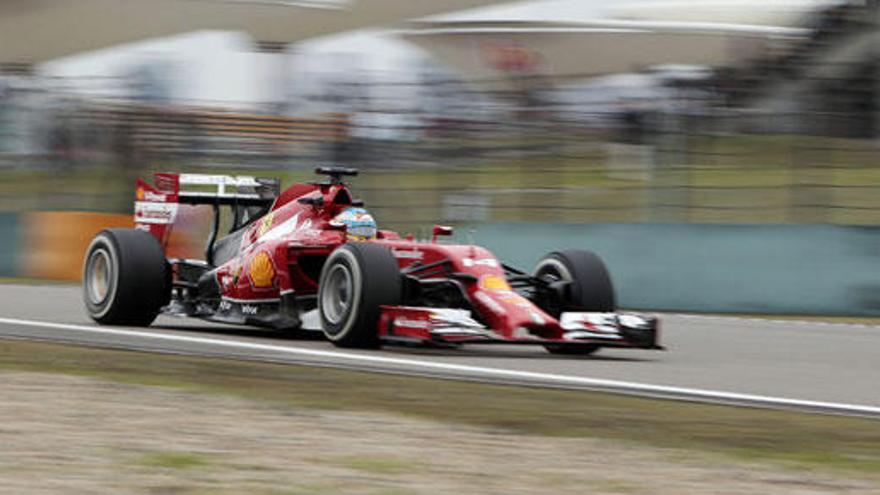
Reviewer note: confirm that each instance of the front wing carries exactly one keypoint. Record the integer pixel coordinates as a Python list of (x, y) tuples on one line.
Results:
[(408, 324)]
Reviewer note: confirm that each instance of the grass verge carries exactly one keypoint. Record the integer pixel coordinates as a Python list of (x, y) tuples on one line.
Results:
[(794, 439), (173, 460)]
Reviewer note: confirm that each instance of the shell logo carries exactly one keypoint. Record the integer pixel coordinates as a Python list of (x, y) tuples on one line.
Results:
[(494, 282), (139, 194), (261, 270)]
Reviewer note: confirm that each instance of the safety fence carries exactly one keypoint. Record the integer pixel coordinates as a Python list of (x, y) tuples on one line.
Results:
[(89, 133)]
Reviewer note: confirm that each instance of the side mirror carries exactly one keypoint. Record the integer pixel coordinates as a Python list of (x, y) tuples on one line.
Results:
[(441, 230), (340, 227), (317, 202)]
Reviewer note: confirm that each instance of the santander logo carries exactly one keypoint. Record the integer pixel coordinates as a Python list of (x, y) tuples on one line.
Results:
[(410, 323)]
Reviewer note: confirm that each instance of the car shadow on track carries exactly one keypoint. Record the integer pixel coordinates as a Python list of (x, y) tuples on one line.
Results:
[(506, 352), (475, 351), (236, 331)]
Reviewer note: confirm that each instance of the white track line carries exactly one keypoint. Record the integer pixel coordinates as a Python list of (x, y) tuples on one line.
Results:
[(479, 371)]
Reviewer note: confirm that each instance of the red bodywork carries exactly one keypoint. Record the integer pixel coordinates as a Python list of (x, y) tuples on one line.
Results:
[(283, 251)]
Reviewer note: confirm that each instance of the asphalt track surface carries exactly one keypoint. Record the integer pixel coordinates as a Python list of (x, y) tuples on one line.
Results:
[(790, 364)]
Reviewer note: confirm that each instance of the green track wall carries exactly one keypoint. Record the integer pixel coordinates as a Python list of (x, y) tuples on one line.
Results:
[(9, 244), (786, 269)]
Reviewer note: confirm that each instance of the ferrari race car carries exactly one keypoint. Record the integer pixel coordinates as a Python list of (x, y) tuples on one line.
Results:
[(313, 253)]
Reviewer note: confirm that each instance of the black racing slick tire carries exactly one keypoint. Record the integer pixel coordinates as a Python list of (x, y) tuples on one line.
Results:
[(126, 278), (590, 288), (356, 280)]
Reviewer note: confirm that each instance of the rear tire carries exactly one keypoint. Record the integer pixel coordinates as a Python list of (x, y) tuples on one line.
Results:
[(356, 280), (590, 289), (126, 278)]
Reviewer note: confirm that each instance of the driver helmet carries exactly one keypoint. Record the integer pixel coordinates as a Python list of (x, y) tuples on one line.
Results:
[(359, 224)]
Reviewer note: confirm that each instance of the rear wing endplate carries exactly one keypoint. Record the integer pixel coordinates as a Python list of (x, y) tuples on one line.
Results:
[(156, 205)]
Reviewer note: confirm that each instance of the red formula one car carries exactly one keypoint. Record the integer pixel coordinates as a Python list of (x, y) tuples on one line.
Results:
[(312, 252)]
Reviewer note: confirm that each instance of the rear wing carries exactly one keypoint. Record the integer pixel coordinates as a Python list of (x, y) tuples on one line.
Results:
[(156, 205)]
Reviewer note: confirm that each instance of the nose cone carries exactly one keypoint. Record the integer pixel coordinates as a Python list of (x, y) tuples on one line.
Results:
[(518, 318)]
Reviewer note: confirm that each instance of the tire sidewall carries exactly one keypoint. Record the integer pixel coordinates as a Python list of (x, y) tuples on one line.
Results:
[(337, 332), (104, 242)]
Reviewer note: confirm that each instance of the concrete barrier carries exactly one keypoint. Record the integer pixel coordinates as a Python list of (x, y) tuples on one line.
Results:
[(783, 269), (9, 244), (54, 243)]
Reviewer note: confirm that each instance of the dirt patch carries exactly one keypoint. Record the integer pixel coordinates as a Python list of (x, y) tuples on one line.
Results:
[(69, 434)]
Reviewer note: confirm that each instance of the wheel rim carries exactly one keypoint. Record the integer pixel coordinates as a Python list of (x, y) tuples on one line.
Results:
[(336, 294), (553, 271), (99, 277), (550, 275)]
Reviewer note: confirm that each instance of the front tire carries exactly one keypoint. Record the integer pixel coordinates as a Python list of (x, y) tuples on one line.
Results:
[(357, 279), (126, 278), (589, 289)]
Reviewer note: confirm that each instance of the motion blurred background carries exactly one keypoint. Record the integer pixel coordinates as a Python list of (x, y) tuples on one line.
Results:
[(721, 155)]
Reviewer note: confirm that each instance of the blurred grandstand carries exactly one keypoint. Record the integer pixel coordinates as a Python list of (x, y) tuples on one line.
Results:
[(774, 124)]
